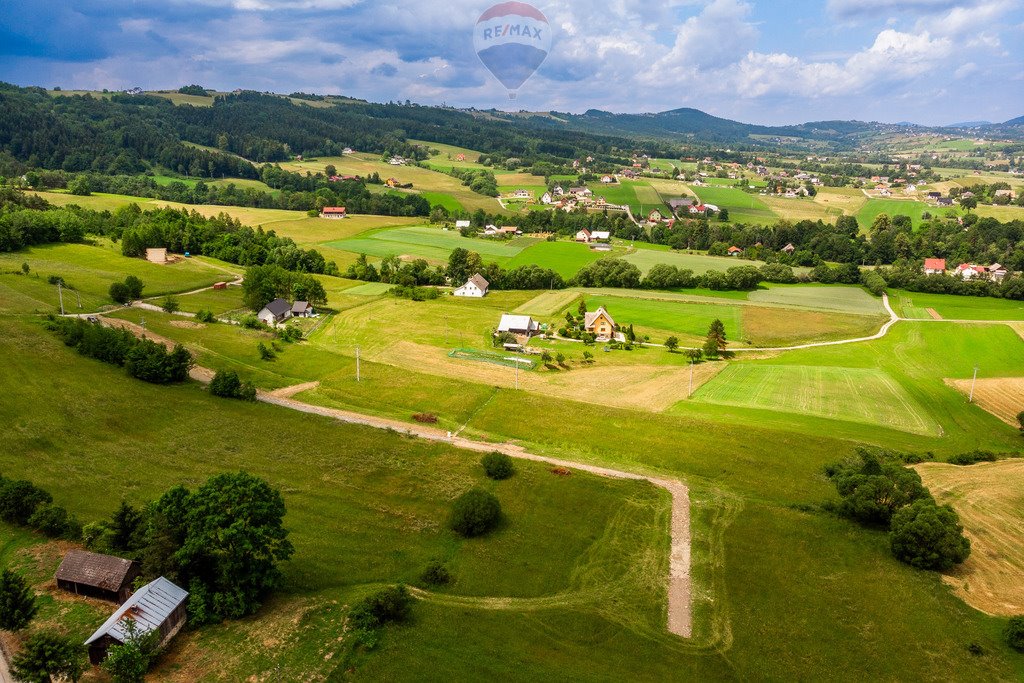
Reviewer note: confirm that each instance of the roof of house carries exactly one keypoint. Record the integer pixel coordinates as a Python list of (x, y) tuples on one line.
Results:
[(333, 209), (300, 306), (590, 317), (92, 569), (478, 280), (677, 203), (461, 224), (935, 264), (516, 322), (278, 307), (734, 250), (789, 247), (150, 606), (584, 230), (600, 234)]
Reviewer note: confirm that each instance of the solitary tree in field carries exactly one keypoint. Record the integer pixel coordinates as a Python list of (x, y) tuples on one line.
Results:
[(672, 344), (330, 170), (716, 341), (17, 602), (968, 203), (1020, 419)]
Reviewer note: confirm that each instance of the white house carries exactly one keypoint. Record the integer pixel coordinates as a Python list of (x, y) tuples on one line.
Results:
[(302, 309), (333, 212), (598, 235), (546, 198), (475, 287), (607, 179), (583, 235), (522, 194), (459, 225), (518, 324), (276, 311)]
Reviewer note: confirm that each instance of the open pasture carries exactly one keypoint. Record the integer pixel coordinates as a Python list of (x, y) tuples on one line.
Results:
[(896, 207), (90, 270), (989, 497), (952, 307), (856, 394), (801, 208), (548, 304), (662, 318), (565, 258), (645, 257), (840, 200), (433, 244), (743, 207), (846, 299)]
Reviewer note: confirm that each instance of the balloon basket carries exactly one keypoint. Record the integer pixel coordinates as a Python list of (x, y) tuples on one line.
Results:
[(511, 94)]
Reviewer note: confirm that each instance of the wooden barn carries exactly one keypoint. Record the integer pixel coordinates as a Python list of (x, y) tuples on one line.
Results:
[(97, 576), (157, 606)]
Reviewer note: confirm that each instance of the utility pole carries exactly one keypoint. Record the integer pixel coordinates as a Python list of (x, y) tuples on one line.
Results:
[(971, 398), (60, 294), (357, 363)]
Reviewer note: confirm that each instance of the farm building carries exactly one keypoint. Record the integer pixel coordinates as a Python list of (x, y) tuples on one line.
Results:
[(600, 235), (935, 266), (158, 606), (735, 251), (654, 216), (583, 235), (599, 323), (789, 248), (475, 287), (518, 324), (302, 309), (606, 179), (156, 255), (459, 225), (698, 208), (945, 201), (274, 312), (220, 285), (333, 212), (97, 576)]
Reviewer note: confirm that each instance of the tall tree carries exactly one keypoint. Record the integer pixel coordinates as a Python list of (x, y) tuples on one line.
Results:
[(47, 655), (17, 601)]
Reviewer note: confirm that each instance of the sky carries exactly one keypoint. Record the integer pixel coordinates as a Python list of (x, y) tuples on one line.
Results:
[(932, 62)]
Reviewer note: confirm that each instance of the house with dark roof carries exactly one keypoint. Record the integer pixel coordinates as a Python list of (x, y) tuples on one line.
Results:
[(302, 309), (475, 287), (97, 576), (276, 311), (158, 606)]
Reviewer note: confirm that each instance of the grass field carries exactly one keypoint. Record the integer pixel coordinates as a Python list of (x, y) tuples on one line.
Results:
[(854, 394), (951, 307), (823, 297), (433, 244), (565, 258), (989, 497), (846, 200), (743, 207), (896, 207), (90, 270), (442, 199), (1001, 396), (662, 318), (645, 257)]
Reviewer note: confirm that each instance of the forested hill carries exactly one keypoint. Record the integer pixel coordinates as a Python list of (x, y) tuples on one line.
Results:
[(124, 133)]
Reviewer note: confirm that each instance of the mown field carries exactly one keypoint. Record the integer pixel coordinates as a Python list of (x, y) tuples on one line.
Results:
[(897, 207), (950, 307), (743, 207), (647, 256), (854, 300), (565, 258), (433, 244), (661, 318)]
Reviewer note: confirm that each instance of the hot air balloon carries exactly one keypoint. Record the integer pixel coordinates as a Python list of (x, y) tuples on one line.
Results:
[(512, 39)]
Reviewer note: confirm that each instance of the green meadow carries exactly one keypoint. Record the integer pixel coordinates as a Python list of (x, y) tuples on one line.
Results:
[(659, 318), (743, 207), (916, 305), (565, 258), (897, 207), (647, 256), (433, 244)]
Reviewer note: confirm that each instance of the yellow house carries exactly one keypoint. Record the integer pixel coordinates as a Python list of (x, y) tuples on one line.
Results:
[(599, 323)]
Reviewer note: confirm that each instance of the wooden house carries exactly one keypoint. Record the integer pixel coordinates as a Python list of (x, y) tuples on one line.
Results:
[(97, 576), (158, 606)]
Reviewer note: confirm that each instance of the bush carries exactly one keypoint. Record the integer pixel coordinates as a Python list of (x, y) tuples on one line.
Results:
[(1014, 633), (474, 513), (435, 574), (120, 293), (265, 352), (502, 338), (874, 486), (928, 536), (19, 500), (251, 322), (170, 304), (151, 362), (17, 601), (391, 604), (55, 522), (1020, 420), (226, 384), (497, 465), (972, 457), (205, 316), (135, 286)]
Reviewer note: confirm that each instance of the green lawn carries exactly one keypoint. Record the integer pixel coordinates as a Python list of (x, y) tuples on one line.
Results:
[(855, 394), (90, 270), (645, 257), (433, 244), (916, 305), (442, 199), (565, 258), (743, 207), (848, 299), (659, 318), (898, 207)]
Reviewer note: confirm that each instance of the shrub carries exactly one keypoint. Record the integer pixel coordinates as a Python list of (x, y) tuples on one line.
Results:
[(502, 338), (497, 465), (55, 280), (474, 513), (55, 522), (391, 604), (972, 457), (435, 574), (1020, 420), (290, 333), (226, 384), (134, 285), (19, 500), (151, 362), (205, 316), (265, 352), (119, 292), (17, 601), (251, 322), (170, 304), (928, 536), (1014, 633), (425, 418)]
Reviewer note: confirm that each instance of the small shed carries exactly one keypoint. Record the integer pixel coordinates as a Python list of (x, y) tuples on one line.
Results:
[(518, 324), (157, 606), (97, 576), (156, 255), (220, 285), (302, 309)]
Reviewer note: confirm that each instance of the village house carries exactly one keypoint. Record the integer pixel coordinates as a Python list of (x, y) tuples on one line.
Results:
[(934, 194), (348, 150), (275, 312), (475, 287), (558, 190), (459, 225), (158, 606), (156, 255), (698, 208), (583, 235), (945, 201), (600, 324), (600, 236), (935, 266), (606, 179), (789, 248), (581, 191), (392, 182), (735, 251), (546, 198), (333, 212), (655, 216), (522, 194), (302, 309), (509, 230), (460, 157), (97, 576), (522, 325)]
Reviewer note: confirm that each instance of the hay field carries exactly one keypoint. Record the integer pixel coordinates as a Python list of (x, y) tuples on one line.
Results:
[(989, 498), (549, 303), (802, 209), (433, 244), (822, 297), (1001, 396), (847, 199)]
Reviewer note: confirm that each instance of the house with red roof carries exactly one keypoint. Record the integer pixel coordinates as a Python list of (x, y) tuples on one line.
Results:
[(935, 266), (333, 212), (735, 251)]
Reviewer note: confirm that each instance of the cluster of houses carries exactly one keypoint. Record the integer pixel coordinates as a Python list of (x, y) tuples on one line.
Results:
[(967, 271), (574, 197), (279, 310), (159, 606), (598, 323)]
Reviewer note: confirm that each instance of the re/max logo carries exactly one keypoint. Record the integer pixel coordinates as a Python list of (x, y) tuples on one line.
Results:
[(512, 30)]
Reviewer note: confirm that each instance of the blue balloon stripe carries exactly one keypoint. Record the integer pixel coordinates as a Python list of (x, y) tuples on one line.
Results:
[(512, 63)]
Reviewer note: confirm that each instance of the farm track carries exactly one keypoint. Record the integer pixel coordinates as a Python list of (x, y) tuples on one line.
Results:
[(680, 608)]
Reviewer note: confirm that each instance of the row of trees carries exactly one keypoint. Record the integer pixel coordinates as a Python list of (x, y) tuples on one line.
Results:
[(263, 284)]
